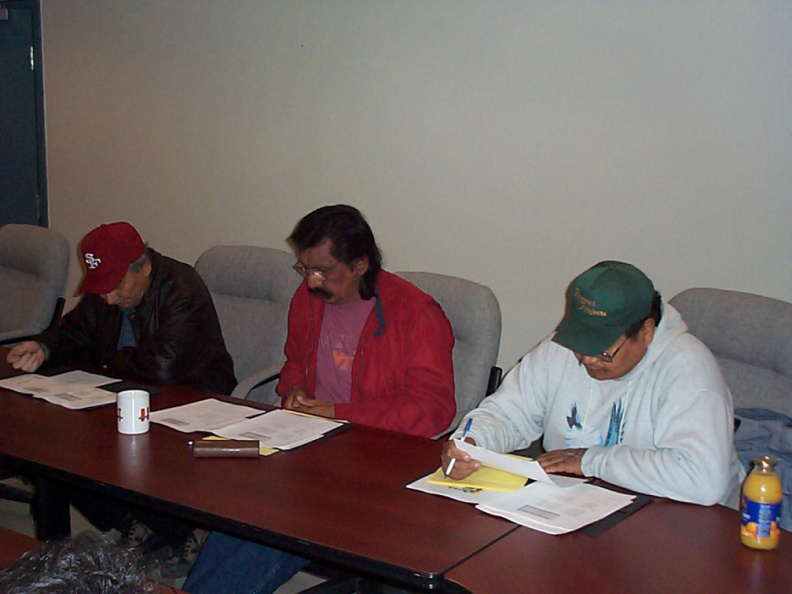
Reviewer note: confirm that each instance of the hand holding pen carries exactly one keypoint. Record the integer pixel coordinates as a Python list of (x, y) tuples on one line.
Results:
[(451, 454)]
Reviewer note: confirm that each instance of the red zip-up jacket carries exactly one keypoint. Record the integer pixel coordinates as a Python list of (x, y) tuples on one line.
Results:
[(402, 374)]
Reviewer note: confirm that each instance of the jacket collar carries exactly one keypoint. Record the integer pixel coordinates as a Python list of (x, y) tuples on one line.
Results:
[(150, 296)]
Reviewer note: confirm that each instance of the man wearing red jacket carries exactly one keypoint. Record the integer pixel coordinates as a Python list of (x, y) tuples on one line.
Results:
[(363, 345)]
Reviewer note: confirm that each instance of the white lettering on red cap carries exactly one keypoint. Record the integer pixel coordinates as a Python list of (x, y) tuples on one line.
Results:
[(91, 262)]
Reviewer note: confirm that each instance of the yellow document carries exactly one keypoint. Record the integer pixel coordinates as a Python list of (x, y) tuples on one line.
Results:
[(484, 478)]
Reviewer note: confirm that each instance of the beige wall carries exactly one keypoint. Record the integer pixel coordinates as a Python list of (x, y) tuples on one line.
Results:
[(512, 143)]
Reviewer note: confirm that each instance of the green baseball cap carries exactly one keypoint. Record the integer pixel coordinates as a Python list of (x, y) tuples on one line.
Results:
[(604, 301)]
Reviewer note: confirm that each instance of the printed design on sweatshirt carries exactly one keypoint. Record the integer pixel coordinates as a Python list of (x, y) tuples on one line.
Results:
[(579, 435)]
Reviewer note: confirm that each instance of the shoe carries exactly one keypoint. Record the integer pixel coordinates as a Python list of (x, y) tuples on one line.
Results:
[(182, 558), (137, 536)]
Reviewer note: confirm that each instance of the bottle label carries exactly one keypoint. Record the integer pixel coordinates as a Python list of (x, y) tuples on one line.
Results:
[(760, 520)]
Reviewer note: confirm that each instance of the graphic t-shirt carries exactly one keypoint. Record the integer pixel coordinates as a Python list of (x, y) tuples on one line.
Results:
[(338, 342)]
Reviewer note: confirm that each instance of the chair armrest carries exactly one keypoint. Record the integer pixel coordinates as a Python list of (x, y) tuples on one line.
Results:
[(18, 335), (496, 375), (57, 313), (244, 387)]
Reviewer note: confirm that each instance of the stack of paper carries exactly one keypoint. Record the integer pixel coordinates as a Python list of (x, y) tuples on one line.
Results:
[(280, 429), (552, 504), (555, 510), (204, 415), (75, 389)]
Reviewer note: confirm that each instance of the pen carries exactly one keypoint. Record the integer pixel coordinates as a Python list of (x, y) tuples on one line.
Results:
[(464, 434)]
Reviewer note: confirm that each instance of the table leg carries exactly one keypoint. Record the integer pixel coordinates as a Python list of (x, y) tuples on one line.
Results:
[(51, 509)]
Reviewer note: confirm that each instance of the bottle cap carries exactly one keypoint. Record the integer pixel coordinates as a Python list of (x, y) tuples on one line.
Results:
[(765, 463)]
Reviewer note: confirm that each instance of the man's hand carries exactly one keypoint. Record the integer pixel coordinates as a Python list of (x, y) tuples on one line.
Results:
[(464, 465), (298, 400), (27, 356), (290, 402), (563, 461)]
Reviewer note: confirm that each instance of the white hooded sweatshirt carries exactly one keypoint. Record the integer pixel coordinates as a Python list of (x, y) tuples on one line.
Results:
[(665, 428)]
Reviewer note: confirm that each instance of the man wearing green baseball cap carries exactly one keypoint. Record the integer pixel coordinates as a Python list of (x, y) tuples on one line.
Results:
[(621, 391)]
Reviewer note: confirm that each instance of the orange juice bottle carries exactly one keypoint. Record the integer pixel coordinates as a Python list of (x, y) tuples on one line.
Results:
[(761, 506)]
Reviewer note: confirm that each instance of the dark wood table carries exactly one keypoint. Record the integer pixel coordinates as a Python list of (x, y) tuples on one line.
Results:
[(339, 500), (663, 547)]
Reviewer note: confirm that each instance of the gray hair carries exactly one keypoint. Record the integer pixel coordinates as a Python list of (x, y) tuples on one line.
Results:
[(137, 265), (89, 563)]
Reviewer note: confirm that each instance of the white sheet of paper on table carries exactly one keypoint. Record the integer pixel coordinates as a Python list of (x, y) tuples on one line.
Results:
[(556, 511), (205, 415)]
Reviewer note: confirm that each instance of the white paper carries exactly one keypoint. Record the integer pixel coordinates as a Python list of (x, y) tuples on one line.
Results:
[(465, 495), (204, 415), (30, 383), (74, 389), (521, 466), (83, 378), (552, 510), (80, 397), (280, 429)]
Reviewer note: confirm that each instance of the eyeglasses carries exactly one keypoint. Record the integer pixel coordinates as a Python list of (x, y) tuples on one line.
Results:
[(607, 357), (318, 273)]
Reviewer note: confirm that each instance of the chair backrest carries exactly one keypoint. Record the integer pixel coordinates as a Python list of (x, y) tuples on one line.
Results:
[(751, 336), (34, 263), (251, 288), (475, 317)]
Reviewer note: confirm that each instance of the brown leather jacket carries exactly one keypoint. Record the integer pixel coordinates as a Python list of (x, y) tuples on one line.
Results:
[(179, 340)]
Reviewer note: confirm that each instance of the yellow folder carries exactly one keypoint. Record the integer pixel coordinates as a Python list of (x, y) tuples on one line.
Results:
[(484, 478)]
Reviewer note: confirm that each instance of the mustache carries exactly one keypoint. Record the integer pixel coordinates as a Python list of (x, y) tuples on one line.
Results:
[(320, 292)]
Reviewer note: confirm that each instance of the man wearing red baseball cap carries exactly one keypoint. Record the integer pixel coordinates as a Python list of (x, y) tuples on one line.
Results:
[(142, 315), (147, 317)]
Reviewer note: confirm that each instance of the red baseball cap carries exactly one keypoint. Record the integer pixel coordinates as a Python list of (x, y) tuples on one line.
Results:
[(107, 252)]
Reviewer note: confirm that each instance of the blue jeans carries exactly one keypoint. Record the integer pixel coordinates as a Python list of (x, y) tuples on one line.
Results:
[(229, 565)]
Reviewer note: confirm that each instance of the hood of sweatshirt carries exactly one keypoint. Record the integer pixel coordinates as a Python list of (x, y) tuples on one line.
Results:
[(671, 327)]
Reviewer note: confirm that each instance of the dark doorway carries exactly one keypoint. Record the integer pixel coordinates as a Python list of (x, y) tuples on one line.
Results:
[(22, 171)]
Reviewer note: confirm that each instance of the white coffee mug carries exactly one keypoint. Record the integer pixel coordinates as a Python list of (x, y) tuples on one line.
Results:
[(133, 412)]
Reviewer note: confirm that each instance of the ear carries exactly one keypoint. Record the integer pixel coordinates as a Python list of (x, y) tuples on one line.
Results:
[(361, 266), (146, 269), (648, 330)]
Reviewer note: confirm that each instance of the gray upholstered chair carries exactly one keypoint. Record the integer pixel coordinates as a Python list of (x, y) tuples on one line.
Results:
[(252, 288), (474, 313), (751, 336), (34, 262)]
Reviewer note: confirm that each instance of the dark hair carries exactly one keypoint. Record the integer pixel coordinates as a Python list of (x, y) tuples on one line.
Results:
[(350, 237), (87, 563), (656, 313)]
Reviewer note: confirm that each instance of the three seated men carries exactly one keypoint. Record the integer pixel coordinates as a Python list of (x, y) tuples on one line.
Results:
[(620, 391)]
